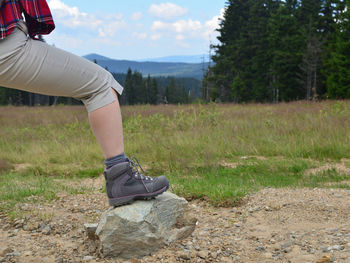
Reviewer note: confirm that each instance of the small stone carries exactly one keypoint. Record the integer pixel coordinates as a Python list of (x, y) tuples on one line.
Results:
[(88, 258), (13, 254), (225, 259), (324, 259), (184, 255), (27, 253), (41, 227), (287, 245), (335, 247), (202, 254), (6, 251), (197, 247), (6, 227), (91, 231), (47, 230), (268, 255), (261, 248), (268, 209), (214, 255)]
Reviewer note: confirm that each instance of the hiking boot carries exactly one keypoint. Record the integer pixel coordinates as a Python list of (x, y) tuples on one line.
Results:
[(124, 183)]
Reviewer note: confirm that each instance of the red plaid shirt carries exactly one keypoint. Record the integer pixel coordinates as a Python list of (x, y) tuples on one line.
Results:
[(37, 14)]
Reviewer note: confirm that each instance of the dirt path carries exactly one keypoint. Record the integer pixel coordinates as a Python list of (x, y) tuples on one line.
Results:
[(273, 225)]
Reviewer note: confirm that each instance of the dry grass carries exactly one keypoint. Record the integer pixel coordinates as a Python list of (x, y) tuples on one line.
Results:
[(187, 142), (178, 136)]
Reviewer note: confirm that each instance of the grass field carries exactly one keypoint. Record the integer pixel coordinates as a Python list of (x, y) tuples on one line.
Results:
[(217, 152)]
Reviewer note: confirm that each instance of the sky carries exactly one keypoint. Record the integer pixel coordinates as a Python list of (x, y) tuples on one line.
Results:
[(137, 29)]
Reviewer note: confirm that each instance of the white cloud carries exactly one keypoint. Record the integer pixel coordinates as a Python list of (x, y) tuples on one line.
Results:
[(136, 16), (180, 37), (111, 28), (159, 25), (72, 17), (180, 26), (139, 35), (167, 10), (189, 28), (155, 37), (63, 40), (213, 24)]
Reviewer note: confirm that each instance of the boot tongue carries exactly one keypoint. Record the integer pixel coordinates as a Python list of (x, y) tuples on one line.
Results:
[(117, 170)]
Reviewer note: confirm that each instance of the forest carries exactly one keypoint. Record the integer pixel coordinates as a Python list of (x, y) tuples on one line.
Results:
[(272, 51), (137, 90), (268, 51)]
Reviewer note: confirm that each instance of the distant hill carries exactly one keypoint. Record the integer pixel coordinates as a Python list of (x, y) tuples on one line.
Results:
[(175, 69), (185, 59)]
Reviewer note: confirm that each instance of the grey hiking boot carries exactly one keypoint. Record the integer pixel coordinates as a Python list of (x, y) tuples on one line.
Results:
[(124, 183)]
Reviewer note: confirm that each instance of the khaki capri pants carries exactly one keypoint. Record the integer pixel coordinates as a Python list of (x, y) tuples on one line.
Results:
[(37, 67)]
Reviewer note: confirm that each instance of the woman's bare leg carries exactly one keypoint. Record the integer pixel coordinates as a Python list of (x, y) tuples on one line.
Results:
[(106, 124)]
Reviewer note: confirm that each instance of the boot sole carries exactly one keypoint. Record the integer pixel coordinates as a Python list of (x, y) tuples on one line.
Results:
[(125, 200)]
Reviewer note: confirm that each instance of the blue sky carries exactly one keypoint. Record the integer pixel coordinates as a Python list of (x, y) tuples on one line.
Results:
[(135, 29)]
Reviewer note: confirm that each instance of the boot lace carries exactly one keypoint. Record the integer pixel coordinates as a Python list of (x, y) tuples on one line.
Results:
[(135, 164)]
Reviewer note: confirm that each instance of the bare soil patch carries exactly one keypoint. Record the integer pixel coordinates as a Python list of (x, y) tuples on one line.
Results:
[(272, 225), (341, 168)]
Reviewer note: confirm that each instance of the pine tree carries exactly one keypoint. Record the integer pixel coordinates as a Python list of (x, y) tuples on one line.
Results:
[(285, 45), (309, 20), (3, 96), (171, 93), (148, 86), (139, 88), (129, 89), (260, 52), (230, 54), (338, 80), (332, 11), (154, 96)]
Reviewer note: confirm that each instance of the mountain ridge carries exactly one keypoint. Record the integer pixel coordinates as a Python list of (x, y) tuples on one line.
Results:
[(175, 69)]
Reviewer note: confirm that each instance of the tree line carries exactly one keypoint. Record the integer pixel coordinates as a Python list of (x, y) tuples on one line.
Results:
[(137, 90), (274, 50)]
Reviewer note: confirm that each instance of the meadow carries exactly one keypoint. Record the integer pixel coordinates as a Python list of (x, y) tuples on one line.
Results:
[(218, 152)]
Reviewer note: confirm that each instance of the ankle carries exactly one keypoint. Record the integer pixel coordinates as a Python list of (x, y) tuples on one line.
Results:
[(110, 162)]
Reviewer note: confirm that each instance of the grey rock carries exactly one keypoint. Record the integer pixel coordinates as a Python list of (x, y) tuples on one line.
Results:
[(261, 248), (335, 247), (47, 230), (184, 255), (287, 244), (90, 230), (143, 227), (88, 258), (13, 254), (202, 254), (6, 251)]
